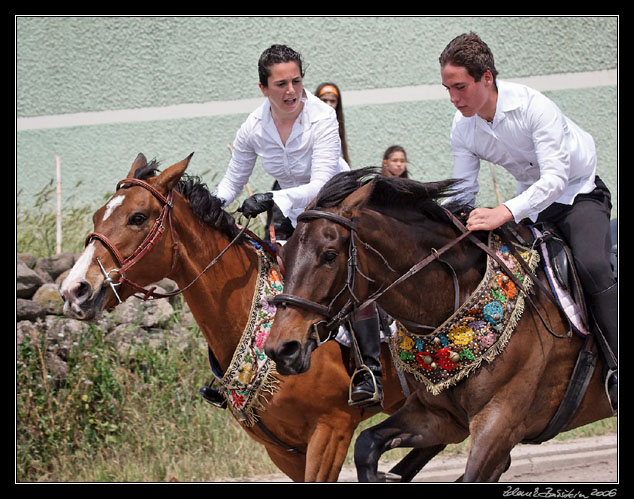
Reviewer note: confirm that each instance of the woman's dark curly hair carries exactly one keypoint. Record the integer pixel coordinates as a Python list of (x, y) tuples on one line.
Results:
[(276, 54)]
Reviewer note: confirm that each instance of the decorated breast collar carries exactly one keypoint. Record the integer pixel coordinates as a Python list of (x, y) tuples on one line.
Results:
[(478, 331), (251, 374)]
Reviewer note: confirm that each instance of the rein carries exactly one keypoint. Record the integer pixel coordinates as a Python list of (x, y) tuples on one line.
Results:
[(148, 243), (333, 319)]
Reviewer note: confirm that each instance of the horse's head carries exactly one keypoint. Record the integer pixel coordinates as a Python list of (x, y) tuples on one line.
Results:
[(126, 228), (317, 283), (355, 240)]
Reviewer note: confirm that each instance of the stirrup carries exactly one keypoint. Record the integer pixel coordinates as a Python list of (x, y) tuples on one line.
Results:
[(376, 396), (608, 377)]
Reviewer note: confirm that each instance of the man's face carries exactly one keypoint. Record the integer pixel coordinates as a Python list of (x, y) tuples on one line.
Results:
[(469, 96)]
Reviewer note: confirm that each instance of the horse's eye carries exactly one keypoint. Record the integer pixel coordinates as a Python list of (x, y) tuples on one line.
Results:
[(137, 219), (329, 256)]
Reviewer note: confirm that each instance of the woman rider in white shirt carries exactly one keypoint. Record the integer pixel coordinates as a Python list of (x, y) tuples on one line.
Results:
[(553, 160), (296, 135)]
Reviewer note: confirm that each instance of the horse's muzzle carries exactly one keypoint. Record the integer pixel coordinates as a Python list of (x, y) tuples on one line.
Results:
[(291, 357), (80, 302)]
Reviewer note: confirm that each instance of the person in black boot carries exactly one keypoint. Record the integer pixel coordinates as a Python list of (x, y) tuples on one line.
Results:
[(604, 306), (366, 387), (273, 133), (213, 397)]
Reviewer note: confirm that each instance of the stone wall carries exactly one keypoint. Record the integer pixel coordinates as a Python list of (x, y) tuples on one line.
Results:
[(128, 326)]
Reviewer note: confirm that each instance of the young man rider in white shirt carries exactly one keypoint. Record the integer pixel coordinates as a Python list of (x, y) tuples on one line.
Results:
[(553, 160)]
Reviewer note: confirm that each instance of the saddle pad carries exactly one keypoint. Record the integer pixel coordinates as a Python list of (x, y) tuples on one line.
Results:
[(563, 297), (478, 331)]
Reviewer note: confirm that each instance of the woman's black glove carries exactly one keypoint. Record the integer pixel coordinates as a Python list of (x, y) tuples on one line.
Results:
[(256, 204)]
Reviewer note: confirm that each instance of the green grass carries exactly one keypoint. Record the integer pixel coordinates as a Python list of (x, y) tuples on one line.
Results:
[(125, 419)]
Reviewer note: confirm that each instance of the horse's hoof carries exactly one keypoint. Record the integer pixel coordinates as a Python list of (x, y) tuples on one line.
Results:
[(388, 477)]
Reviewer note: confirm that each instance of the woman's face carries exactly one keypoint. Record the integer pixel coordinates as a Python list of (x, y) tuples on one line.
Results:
[(395, 164), (285, 90), (330, 99)]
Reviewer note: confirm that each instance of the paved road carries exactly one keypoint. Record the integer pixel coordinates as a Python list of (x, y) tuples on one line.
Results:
[(584, 460)]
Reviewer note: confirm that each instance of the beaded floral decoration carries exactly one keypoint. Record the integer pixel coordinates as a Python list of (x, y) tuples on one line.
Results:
[(251, 374), (478, 331)]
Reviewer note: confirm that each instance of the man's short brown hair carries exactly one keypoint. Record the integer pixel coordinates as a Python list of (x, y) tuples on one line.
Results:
[(469, 51)]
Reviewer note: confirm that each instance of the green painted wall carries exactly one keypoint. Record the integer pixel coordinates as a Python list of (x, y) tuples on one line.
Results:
[(67, 65)]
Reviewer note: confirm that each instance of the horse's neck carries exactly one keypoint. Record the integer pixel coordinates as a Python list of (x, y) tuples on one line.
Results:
[(221, 298), (432, 285)]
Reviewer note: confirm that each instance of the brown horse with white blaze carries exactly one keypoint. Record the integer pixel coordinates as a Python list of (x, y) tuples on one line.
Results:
[(129, 249), (362, 234)]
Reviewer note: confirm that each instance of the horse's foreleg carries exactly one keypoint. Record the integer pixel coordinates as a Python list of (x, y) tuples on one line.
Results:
[(413, 426), (327, 450), (494, 433), (408, 467)]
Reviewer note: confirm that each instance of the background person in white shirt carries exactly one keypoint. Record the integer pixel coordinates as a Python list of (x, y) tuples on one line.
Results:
[(553, 160), (296, 136)]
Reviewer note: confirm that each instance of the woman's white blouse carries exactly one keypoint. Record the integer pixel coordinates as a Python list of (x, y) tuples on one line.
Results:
[(309, 159), (551, 158)]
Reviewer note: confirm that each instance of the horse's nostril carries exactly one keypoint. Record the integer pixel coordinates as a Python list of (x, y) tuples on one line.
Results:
[(80, 291), (286, 351)]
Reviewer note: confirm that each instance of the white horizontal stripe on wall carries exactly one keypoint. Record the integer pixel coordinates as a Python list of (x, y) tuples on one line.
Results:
[(542, 83)]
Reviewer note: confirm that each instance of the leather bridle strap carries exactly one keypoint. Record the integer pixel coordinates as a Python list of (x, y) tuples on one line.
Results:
[(148, 243), (350, 224), (334, 320)]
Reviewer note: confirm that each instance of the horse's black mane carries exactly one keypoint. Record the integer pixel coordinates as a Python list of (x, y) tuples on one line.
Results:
[(206, 206), (400, 197)]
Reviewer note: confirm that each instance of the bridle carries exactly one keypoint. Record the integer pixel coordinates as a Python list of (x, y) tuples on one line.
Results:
[(146, 245), (334, 319), (155, 233)]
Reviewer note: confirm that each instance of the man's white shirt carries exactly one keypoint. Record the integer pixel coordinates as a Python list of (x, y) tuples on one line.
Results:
[(552, 159)]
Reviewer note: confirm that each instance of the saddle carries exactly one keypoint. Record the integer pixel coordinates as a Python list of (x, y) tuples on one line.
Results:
[(562, 273)]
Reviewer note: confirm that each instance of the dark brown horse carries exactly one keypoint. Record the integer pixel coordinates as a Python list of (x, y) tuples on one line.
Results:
[(308, 413), (395, 225)]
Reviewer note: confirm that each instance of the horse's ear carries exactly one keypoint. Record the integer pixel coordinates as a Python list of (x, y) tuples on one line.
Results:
[(139, 162), (357, 200), (168, 178)]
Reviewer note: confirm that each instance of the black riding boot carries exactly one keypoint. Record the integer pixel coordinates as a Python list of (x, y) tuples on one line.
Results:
[(605, 310), (367, 390), (213, 396)]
